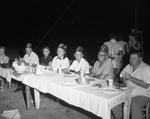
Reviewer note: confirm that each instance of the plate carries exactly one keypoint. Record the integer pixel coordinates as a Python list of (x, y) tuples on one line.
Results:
[(70, 75), (110, 90), (69, 84)]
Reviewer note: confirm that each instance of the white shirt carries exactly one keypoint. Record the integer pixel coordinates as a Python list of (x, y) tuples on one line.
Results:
[(60, 63), (141, 73), (106, 68), (83, 65), (32, 58)]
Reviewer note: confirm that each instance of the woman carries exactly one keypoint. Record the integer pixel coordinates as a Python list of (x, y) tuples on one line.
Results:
[(47, 58)]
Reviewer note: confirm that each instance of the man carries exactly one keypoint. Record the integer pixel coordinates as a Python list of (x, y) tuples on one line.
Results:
[(115, 53), (79, 64), (30, 58), (103, 67), (136, 74), (3, 57)]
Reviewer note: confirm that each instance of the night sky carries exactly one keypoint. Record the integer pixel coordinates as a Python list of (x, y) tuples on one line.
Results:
[(73, 22)]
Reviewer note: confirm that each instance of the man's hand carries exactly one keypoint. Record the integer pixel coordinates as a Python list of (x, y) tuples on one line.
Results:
[(97, 85), (127, 76)]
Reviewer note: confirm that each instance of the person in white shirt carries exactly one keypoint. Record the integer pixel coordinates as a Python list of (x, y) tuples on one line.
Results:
[(79, 64), (60, 61), (30, 56), (103, 67), (137, 75)]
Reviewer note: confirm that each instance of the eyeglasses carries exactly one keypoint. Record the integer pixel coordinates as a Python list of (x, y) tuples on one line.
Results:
[(101, 55), (45, 51)]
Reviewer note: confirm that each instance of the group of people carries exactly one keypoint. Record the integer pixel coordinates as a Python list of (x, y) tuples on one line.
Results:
[(108, 65)]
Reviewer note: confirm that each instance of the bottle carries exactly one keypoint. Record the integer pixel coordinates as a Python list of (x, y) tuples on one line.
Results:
[(82, 74), (59, 70)]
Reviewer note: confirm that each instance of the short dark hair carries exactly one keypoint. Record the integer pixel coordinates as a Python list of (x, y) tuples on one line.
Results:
[(138, 53), (46, 47)]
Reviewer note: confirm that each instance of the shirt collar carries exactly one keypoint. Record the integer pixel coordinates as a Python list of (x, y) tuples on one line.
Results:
[(60, 58), (113, 40)]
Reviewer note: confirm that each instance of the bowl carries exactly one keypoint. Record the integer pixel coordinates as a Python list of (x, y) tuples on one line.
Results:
[(20, 68), (83, 81)]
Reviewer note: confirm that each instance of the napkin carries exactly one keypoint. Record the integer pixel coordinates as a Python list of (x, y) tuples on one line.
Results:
[(11, 114)]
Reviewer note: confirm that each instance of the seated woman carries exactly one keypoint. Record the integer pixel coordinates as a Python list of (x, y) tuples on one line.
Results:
[(46, 58), (3, 57), (103, 67), (79, 64), (60, 61)]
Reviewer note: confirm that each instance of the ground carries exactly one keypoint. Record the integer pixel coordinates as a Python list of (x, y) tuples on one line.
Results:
[(49, 108)]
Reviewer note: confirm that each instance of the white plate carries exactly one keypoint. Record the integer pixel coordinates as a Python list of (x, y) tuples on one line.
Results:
[(110, 90), (69, 84)]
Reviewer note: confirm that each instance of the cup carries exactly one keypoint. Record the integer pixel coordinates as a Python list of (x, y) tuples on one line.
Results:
[(110, 82), (59, 71), (82, 74)]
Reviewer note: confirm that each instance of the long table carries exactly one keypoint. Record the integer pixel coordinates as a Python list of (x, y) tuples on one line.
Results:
[(90, 98)]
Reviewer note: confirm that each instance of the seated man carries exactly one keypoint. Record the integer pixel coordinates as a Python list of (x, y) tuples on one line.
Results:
[(79, 64), (3, 57), (136, 74), (103, 67), (29, 57), (47, 58)]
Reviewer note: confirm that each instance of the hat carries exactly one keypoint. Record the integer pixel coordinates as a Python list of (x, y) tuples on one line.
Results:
[(104, 48), (79, 49), (62, 46), (29, 45)]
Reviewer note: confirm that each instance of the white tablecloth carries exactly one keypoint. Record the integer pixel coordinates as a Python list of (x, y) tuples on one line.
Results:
[(6, 73), (87, 97), (90, 98)]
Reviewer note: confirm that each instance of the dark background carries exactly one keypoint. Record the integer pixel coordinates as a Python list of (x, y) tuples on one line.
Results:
[(73, 22)]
